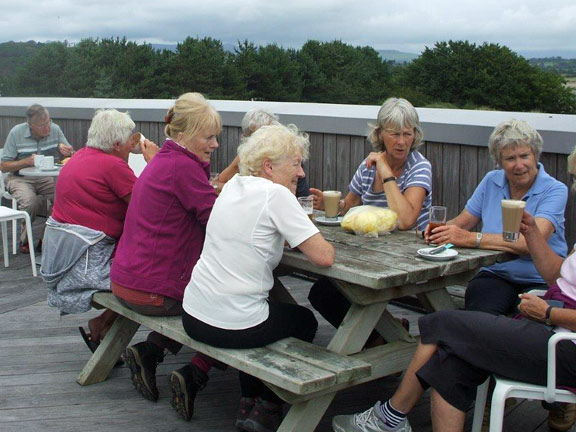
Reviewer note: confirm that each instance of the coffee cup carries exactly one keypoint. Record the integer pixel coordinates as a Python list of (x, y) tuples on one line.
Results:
[(512, 211), (331, 204), (137, 139), (48, 162), (38, 159), (307, 204)]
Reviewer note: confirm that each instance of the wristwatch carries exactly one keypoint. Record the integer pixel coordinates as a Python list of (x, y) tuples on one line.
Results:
[(388, 179), (479, 239), (547, 318)]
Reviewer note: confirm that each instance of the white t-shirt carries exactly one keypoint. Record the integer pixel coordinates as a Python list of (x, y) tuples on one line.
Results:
[(245, 237)]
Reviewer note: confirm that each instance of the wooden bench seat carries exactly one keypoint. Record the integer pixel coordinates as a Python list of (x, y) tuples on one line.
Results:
[(293, 365)]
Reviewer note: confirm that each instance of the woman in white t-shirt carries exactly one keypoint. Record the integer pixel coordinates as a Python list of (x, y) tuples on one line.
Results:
[(226, 301)]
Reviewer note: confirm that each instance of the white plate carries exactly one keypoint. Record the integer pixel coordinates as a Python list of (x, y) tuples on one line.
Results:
[(55, 168), (445, 255), (323, 221)]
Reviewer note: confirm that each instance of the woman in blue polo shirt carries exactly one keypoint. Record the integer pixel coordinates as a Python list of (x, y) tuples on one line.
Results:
[(516, 147)]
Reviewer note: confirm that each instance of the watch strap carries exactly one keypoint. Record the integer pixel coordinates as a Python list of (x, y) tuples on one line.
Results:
[(479, 239), (389, 179), (547, 317)]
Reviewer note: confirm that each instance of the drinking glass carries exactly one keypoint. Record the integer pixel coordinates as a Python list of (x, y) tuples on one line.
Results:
[(437, 216)]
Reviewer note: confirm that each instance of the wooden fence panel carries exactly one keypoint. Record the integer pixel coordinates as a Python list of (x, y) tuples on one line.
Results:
[(468, 174), (330, 161), (315, 164)]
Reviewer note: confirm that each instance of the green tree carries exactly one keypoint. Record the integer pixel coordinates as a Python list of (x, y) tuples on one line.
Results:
[(43, 73), (335, 72), (491, 75), (201, 65)]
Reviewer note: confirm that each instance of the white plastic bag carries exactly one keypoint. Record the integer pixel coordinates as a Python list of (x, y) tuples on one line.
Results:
[(370, 221)]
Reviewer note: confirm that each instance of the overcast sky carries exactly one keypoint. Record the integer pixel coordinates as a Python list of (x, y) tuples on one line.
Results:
[(526, 26)]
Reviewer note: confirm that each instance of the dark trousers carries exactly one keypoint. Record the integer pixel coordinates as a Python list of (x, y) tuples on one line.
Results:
[(490, 293), (473, 345), (284, 320), (331, 304)]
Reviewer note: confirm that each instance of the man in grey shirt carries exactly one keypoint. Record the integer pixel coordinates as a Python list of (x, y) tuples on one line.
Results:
[(38, 136)]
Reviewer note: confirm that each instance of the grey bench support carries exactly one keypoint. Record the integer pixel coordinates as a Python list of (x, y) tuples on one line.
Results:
[(295, 367)]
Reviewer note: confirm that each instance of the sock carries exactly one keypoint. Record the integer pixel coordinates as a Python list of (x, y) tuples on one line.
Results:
[(392, 417), (202, 362)]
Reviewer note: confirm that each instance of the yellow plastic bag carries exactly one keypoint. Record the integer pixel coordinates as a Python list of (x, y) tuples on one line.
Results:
[(370, 221)]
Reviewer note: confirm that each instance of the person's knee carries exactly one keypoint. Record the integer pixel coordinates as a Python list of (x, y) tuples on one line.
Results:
[(320, 291)]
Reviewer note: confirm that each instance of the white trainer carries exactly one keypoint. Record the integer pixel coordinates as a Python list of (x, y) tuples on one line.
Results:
[(367, 421)]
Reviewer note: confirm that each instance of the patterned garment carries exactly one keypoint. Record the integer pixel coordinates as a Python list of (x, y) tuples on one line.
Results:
[(417, 173)]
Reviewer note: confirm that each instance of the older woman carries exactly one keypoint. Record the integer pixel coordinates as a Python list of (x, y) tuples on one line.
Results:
[(253, 120), (516, 147), (162, 240), (396, 175), (92, 196), (461, 349), (226, 301)]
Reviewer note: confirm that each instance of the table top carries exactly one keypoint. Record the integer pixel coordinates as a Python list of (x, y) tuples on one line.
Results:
[(37, 172), (387, 261)]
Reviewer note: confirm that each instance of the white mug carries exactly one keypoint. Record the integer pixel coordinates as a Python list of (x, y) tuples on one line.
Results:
[(48, 162), (38, 160)]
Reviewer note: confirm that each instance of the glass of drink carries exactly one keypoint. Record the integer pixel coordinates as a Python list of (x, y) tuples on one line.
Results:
[(307, 204), (512, 211), (331, 204), (437, 216)]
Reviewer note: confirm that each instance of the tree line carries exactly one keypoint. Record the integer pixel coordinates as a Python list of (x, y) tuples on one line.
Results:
[(456, 74)]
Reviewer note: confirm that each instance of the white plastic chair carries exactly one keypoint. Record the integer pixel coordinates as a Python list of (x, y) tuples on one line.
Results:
[(6, 195), (8, 214), (506, 388)]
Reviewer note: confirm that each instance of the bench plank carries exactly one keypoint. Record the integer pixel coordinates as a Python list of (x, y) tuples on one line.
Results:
[(293, 365)]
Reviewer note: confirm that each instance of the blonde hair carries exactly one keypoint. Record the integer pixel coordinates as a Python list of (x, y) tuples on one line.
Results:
[(275, 143), (396, 113), (190, 115), (511, 134)]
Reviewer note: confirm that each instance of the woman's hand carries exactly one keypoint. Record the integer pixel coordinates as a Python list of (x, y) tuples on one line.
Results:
[(448, 234), (532, 307), (528, 225), (149, 149), (318, 198), (378, 159)]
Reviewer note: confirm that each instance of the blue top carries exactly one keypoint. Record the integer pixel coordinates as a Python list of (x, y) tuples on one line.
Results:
[(545, 199), (417, 172)]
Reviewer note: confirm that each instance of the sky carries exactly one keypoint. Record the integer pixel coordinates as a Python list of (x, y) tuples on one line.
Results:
[(528, 27)]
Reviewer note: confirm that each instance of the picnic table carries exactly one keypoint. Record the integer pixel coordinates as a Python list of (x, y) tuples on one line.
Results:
[(371, 272)]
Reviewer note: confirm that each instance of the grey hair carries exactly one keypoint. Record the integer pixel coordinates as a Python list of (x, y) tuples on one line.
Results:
[(256, 118), (511, 134), (273, 142), (396, 113), (108, 127), (36, 111)]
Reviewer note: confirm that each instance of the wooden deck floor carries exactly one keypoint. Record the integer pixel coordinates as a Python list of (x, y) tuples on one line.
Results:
[(41, 354)]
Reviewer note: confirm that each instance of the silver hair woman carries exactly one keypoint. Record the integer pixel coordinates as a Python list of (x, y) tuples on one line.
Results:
[(516, 146), (513, 133), (256, 118)]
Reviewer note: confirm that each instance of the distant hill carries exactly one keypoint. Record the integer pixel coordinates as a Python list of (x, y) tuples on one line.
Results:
[(397, 56)]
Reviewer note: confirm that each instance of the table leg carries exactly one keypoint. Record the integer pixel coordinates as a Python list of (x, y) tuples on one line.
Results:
[(103, 360), (437, 300), (350, 338)]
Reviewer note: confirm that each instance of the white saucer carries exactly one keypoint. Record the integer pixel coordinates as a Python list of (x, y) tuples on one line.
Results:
[(445, 255), (323, 221), (54, 168)]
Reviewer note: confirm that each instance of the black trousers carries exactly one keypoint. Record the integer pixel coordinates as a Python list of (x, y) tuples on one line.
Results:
[(284, 320), (490, 293), (473, 345)]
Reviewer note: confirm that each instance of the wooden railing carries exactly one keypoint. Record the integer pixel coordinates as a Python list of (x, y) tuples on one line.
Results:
[(455, 139)]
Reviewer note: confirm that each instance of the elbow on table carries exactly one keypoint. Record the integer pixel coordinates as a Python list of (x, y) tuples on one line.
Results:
[(326, 259)]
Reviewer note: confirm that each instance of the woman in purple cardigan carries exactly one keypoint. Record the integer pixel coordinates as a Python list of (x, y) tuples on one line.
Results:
[(162, 240)]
